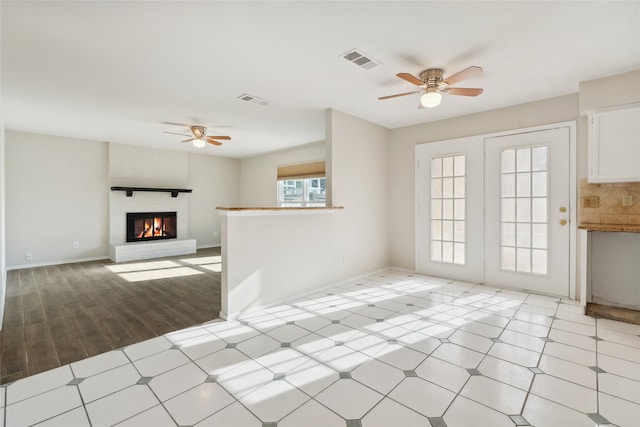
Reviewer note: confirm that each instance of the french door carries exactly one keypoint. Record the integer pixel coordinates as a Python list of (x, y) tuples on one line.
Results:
[(496, 210), (450, 197)]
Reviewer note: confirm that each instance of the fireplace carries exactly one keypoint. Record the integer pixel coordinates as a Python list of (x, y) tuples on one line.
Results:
[(142, 226)]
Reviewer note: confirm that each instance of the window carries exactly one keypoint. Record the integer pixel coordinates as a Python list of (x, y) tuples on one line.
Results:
[(448, 209), (302, 192), (302, 185)]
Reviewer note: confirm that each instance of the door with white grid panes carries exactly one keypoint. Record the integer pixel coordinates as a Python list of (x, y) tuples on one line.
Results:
[(449, 229), (495, 210), (527, 211)]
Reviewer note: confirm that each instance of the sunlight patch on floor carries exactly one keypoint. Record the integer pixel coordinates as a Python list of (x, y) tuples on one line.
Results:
[(141, 266), (166, 273), (203, 260), (216, 268)]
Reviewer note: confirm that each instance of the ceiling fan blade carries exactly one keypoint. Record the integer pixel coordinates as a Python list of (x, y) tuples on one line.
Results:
[(175, 133), (189, 140), (214, 142), (464, 91), (467, 73), (410, 78), (398, 94), (177, 124), (224, 138)]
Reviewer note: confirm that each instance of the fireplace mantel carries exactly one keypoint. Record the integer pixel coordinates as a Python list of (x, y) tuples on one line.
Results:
[(174, 191)]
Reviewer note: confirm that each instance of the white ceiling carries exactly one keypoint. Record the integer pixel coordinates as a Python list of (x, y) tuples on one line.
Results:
[(116, 71)]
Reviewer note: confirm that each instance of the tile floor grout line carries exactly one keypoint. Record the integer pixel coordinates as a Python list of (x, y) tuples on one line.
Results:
[(330, 367), (380, 334), (458, 393), (597, 373), (84, 405)]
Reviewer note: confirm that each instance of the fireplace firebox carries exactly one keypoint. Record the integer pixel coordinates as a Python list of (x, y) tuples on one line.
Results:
[(142, 226)]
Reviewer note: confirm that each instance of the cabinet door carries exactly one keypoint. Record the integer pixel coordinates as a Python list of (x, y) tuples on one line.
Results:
[(614, 145)]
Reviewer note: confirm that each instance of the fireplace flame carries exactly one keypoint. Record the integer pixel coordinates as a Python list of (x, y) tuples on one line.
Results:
[(153, 227)]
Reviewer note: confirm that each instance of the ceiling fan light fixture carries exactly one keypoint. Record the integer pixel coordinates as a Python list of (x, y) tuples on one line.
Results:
[(430, 99), (199, 143)]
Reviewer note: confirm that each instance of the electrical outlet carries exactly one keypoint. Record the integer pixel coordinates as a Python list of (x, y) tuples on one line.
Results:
[(590, 201), (28, 256), (627, 200), (76, 244)]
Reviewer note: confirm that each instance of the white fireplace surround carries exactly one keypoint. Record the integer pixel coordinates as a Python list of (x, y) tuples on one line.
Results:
[(131, 166), (134, 251), (120, 205)]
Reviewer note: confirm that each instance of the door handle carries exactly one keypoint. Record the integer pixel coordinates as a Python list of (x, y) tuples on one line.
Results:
[(563, 222)]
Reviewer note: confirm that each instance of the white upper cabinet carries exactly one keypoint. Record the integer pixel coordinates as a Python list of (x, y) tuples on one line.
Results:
[(614, 145)]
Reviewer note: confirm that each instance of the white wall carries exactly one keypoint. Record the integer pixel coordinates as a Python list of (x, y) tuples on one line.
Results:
[(136, 166), (259, 173), (271, 257), (614, 269), (403, 141), (3, 255), (56, 193), (611, 91), (215, 182), (360, 179)]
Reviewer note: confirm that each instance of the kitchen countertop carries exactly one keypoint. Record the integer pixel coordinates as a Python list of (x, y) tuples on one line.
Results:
[(280, 208), (627, 228)]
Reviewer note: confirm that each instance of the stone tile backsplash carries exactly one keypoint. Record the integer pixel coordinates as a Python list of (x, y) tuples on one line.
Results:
[(610, 209)]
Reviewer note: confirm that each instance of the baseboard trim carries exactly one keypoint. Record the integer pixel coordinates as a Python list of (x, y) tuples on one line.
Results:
[(404, 270), (67, 261), (215, 245)]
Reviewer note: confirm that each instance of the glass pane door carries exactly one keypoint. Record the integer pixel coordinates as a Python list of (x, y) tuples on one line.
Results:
[(527, 211), (448, 209), (449, 224), (524, 204)]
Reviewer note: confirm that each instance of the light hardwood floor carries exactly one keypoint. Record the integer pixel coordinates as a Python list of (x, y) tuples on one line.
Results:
[(59, 314)]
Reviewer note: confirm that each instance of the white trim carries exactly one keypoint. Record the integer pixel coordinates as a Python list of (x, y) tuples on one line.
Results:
[(67, 261), (213, 245), (573, 209), (570, 124), (405, 270), (584, 294)]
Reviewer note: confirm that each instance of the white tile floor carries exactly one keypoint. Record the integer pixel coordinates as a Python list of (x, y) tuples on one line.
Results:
[(392, 349)]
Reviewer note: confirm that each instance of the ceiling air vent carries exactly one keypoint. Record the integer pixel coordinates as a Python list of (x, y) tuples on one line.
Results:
[(361, 60), (254, 99)]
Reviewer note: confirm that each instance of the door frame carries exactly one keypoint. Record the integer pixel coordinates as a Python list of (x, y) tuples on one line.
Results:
[(573, 178)]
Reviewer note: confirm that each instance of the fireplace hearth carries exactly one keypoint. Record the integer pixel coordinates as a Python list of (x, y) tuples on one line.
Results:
[(143, 226)]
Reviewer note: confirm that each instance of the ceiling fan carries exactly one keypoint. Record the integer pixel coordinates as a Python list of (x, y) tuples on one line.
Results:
[(432, 85), (199, 136)]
